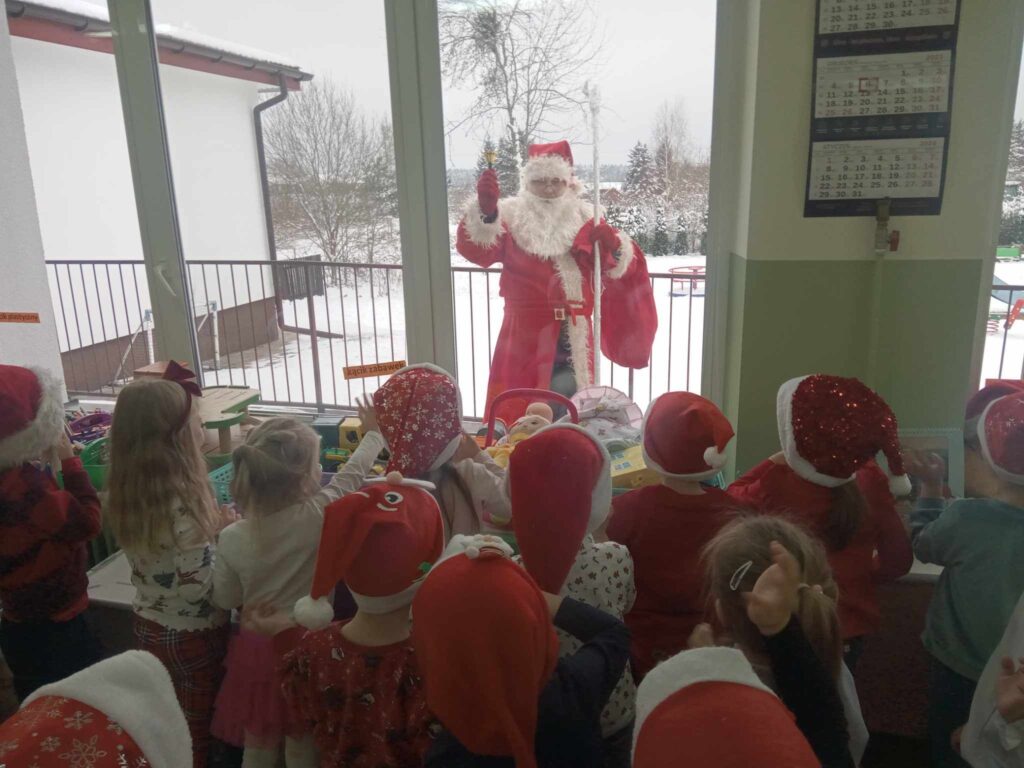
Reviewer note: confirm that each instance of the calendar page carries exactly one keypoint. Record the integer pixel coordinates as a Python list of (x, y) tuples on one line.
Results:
[(896, 168), (894, 84), (836, 16)]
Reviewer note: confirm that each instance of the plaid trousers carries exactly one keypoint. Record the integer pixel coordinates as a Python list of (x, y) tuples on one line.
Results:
[(195, 662)]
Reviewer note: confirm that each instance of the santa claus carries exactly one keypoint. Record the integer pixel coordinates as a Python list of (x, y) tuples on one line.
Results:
[(544, 239)]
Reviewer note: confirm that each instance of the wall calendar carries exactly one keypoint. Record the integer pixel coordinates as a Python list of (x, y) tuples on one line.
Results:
[(883, 92)]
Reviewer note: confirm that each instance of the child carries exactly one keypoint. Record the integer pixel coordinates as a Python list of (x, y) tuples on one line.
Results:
[(355, 685), (560, 487), (994, 735), (485, 644), (420, 416), (164, 516), (44, 635), (707, 707), (978, 541), (775, 596), (665, 527), (831, 429), (269, 559)]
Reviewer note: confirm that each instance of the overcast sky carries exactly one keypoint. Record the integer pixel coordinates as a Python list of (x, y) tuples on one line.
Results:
[(657, 50)]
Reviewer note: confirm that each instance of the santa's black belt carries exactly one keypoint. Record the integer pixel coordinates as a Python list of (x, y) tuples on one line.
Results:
[(562, 313)]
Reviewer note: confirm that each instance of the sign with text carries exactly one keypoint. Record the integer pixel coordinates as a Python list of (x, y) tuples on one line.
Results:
[(19, 317), (376, 369)]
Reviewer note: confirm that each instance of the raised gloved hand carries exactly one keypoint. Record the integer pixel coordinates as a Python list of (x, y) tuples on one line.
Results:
[(609, 241), (487, 192)]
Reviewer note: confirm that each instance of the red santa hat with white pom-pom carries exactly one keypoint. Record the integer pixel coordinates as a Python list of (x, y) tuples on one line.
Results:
[(31, 413), (831, 426), (1001, 437), (548, 161), (381, 541), (560, 489), (685, 437)]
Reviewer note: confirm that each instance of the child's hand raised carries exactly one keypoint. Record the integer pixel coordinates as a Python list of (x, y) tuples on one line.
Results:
[(930, 469), (1010, 691), (228, 515), (776, 595), (367, 414), (65, 448)]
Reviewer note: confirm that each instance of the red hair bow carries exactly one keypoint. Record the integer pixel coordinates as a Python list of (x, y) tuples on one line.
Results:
[(182, 376)]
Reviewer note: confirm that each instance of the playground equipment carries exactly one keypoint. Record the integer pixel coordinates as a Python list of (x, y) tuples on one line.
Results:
[(688, 281)]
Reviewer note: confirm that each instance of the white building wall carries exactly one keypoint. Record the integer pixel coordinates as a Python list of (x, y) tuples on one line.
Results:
[(23, 287), (79, 160)]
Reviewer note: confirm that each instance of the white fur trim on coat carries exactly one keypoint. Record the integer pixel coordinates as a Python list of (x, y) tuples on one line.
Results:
[(694, 476), (987, 454), (483, 233), (625, 257), (134, 690), (701, 665), (796, 462), (601, 496), (44, 430)]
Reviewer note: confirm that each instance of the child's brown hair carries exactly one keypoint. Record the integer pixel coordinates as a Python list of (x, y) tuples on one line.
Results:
[(277, 466), (156, 462), (737, 557)]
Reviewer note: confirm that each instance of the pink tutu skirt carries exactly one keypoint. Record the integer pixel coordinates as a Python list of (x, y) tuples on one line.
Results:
[(250, 700)]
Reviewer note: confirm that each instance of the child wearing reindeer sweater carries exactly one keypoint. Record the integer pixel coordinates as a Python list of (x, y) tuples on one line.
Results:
[(560, 491), (665, 527)]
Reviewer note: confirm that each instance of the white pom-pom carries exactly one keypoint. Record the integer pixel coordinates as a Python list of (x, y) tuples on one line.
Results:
[(714, 458), (314, 614), (395, 478), (900, 486), (472, 552)]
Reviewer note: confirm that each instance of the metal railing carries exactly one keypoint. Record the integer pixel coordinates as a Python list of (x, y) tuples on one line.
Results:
[(289, 328), (1004, 342)]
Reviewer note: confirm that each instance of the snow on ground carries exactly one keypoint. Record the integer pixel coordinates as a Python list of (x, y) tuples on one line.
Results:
[(1004, 347)]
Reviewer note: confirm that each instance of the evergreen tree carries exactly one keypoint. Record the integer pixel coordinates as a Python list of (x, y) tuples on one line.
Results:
[(659, 239), (641, 176), (636, 224), (682, 242), (1015, 166), (507, 166)]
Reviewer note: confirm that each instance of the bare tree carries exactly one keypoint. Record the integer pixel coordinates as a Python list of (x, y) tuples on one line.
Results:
[(526, 60), (332, 174)]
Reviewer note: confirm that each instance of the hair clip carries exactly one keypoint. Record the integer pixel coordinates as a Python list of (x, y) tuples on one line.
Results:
[(737, 577)]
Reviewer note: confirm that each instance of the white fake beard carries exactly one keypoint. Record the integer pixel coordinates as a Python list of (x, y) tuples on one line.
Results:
[(543, 227)]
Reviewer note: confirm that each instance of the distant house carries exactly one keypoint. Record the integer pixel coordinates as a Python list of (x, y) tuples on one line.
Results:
[(78, 152)]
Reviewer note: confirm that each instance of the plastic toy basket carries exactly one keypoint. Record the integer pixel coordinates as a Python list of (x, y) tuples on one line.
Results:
[(96, 462), (221, 477)]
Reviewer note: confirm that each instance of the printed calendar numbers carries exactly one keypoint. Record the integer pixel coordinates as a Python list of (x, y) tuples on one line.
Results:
[(893, 84), (896, 168), (837, 16)]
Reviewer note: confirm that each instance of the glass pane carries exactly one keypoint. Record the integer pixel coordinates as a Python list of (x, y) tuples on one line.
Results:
[(67, 81), (333, 299), (515, 73), (1004, 341)]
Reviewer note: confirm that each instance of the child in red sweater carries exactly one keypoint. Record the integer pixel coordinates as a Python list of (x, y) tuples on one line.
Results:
[(44, 635), (666, 526), (825, 478)]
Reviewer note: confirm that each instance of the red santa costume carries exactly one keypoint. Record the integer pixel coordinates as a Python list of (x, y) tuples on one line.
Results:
[(545, 247)]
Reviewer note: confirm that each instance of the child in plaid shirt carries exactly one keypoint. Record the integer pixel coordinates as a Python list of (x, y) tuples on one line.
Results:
[(43, 530)]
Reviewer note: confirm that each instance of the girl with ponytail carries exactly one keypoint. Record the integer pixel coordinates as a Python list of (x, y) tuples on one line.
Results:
[(775, 597)]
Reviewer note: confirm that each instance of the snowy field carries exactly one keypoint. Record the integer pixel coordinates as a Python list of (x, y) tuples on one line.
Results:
[(369, 323)]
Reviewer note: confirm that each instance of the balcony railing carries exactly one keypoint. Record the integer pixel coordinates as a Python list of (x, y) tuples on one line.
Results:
[(289, 328)]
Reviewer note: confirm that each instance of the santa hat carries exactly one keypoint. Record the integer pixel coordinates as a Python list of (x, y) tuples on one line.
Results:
[(121, 711), (419, 412), (685, 436), (381, 541), (486, 648), (1001, 437), (708, 707), (548, 161), (560, 488), (831, 426), (31, 413), (980, 400)]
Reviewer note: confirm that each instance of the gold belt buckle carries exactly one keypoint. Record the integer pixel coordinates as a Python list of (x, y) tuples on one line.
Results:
[(559, 313)]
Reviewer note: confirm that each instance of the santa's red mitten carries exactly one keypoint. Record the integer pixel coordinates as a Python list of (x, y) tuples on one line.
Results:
[(609, 240), (488, 192)]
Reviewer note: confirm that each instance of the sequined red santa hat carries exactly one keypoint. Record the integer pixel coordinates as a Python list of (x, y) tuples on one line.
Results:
[(1001, 437), (31, 413), (560, 489), (381, 541), (831, 426), (548, 161), (685, 437), (707, 707), (981, 399), (419, 412), (120, 712), (486, 648)]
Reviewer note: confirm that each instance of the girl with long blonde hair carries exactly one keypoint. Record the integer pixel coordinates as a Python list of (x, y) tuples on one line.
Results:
[(266, 561), (162, 511)]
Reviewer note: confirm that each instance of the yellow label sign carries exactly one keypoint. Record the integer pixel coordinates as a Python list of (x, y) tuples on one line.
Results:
[(377, 369), (19, 317)]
